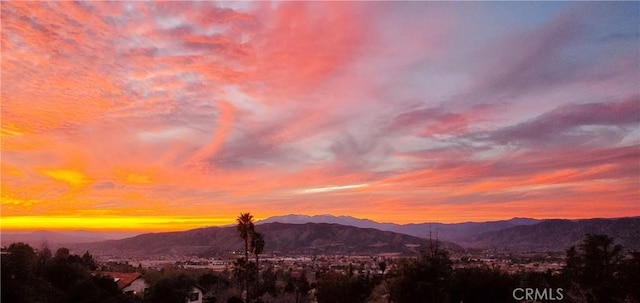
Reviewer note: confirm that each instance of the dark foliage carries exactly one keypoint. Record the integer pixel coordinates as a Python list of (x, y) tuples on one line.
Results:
[(339, 288), (481, 285), (598, 271), (235, 300), (426, 279), (170, 290), (28, 276)]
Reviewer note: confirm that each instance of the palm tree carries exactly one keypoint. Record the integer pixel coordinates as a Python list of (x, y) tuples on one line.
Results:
[(257, 245), (245, 229)]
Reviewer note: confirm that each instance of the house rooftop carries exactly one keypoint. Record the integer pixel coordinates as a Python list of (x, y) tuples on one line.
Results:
[(123, 279)]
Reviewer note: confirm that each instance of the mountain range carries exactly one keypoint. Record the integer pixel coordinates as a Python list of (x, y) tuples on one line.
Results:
[(294, 234), (308, 238), (557, 235), (516, 234), (52, 238), (448, 232)]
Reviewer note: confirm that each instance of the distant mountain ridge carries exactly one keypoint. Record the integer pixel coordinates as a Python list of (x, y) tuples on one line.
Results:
[(516, 234), (445, 231), (309, 238), (40, 237), (348, 235), (558, 235)]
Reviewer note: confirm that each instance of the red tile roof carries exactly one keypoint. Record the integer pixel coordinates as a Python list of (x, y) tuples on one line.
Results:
[(122, 278)]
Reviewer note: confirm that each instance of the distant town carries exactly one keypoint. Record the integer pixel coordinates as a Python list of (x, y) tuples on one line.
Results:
[(287, 262)]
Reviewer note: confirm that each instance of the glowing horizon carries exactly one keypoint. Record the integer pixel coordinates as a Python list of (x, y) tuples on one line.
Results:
[(159, 116), (168, 224)]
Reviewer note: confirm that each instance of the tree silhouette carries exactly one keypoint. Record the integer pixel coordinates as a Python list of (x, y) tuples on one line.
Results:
[(426, 279), (483, 284), (18, 276), (335, 287), (257, 245), (246, 230), (630, 276), (383, 266), (170, 290), (595, 269), (29, 277)]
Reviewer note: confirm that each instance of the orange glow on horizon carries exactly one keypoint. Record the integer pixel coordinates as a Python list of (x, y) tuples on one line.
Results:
[(143, 224), (120, 224)]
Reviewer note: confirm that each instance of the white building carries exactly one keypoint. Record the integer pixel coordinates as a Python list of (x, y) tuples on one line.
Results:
[(195, 295)]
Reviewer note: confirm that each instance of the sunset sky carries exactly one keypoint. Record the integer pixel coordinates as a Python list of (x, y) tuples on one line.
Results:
[(144, 116)]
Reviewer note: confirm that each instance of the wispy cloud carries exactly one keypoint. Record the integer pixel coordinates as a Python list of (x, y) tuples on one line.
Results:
[(571, 125)]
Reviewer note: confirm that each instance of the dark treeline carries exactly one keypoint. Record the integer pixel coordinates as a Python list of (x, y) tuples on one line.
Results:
[(29, 276), (595, 271)]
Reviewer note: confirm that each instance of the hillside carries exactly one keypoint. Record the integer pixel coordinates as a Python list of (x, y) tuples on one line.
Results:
[(55, 239), (558, 235), (456, 231), (310, 238), (518, 234), (443, 231)]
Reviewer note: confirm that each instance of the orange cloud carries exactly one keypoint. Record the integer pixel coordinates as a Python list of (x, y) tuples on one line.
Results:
[(71, 177)]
